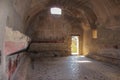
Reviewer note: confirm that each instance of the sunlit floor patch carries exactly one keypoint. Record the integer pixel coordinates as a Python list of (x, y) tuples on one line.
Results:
[(74, 53), (81, 56), (82, 61)]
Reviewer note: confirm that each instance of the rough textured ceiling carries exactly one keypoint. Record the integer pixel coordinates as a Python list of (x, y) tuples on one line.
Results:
[(94, 12), (75, 12)]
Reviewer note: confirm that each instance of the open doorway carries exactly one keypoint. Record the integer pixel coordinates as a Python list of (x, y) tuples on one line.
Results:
[(75, 45)]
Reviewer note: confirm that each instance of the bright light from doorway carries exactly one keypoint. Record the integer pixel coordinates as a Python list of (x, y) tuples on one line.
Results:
[(75, 45), (56, 11)]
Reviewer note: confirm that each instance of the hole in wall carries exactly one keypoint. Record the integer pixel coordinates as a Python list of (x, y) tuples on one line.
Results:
[(56, 11)]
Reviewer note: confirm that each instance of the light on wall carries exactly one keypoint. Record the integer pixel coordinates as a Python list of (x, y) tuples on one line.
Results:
[(56, 11), (94, 34)]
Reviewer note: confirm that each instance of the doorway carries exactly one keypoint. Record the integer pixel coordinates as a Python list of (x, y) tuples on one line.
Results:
[(75, 45)]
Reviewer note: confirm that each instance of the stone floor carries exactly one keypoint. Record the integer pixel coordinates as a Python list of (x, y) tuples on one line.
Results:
[(72, 68)]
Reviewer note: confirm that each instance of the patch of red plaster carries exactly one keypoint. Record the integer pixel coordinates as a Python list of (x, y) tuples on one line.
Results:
[(11, 47)]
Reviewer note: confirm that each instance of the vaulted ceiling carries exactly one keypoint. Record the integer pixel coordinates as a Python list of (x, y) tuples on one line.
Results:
[(74, 12), (94, 12)]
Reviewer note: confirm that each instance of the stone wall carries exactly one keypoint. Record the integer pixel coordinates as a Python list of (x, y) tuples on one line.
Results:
[(106, 47), (58, 47), (78, 31), (52, 48), (51, 34)]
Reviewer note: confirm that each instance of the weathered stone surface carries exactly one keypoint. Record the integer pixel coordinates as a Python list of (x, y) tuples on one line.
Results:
[(72, 68), (107, 44)]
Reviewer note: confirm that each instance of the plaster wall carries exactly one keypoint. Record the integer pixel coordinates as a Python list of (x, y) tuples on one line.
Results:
[(11, 31)]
